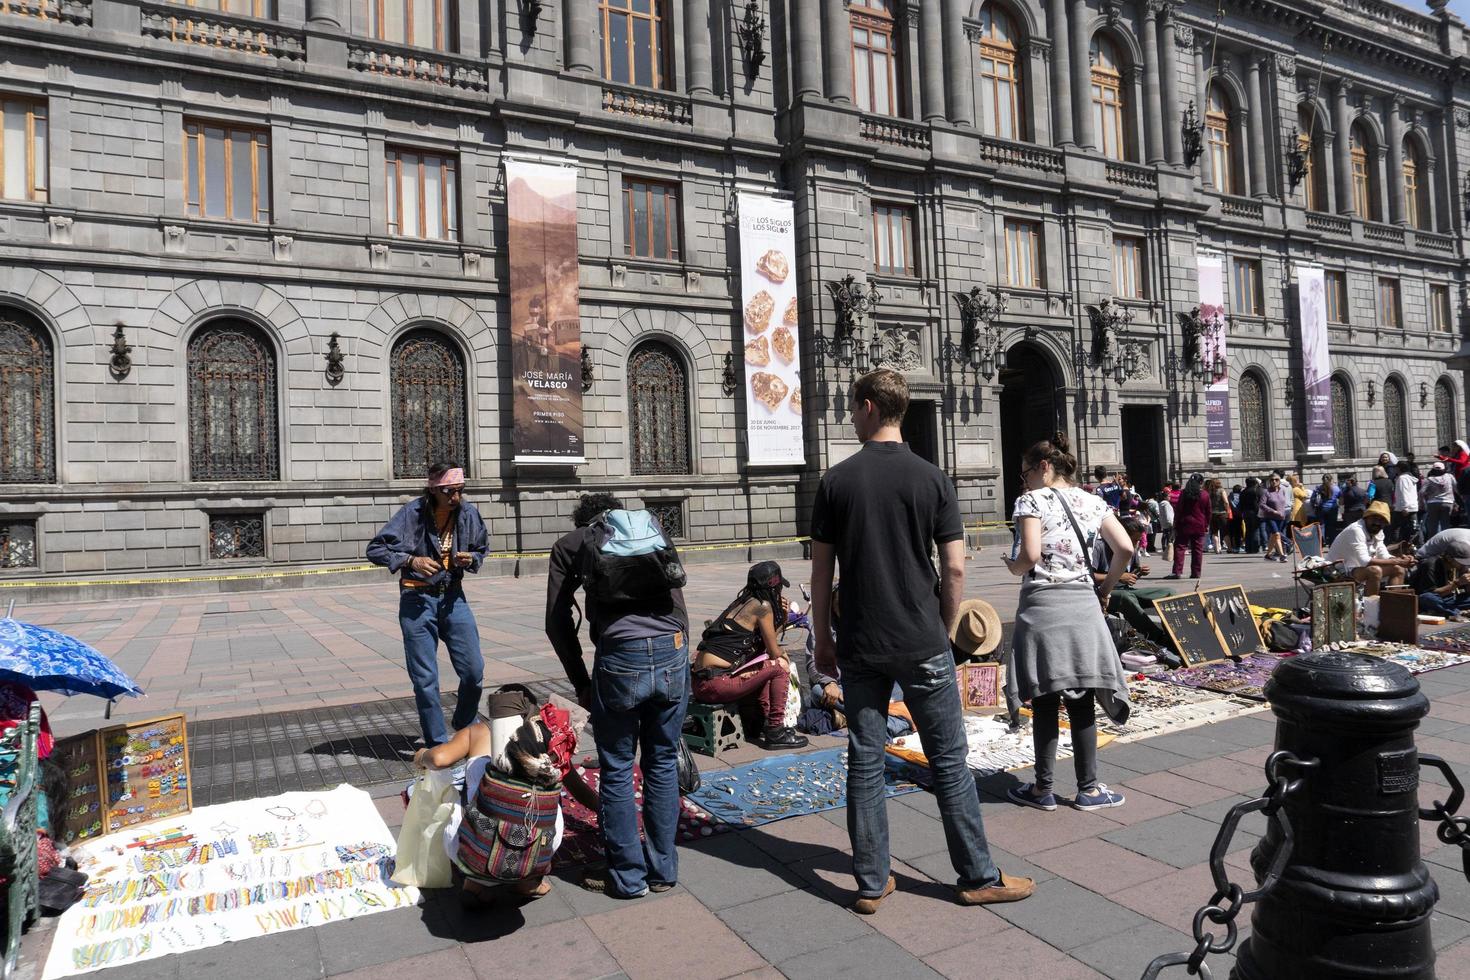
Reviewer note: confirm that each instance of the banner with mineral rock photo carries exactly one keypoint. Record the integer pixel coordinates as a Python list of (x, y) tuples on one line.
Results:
[(768, 306), (1316, 364), (1217, 390), (545, 328)]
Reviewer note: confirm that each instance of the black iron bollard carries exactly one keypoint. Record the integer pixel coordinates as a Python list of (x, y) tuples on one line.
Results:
[(1355, 898)]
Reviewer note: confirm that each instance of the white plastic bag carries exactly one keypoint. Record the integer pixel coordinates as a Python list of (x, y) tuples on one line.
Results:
[(422, 860), (793, 696)]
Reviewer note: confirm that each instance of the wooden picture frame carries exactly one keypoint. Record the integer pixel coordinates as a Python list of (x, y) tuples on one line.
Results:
[(1308, 540), (982, 687), (1334, 614)]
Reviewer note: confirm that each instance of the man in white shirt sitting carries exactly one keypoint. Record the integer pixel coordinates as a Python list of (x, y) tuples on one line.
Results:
[(1364, 556)]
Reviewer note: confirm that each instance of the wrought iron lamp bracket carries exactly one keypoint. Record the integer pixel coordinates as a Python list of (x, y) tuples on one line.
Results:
[(531, 14), (335, 371), (1192, 133), (728, 383), (121, 361), (588, 376), (752, 31), (1296, 160)]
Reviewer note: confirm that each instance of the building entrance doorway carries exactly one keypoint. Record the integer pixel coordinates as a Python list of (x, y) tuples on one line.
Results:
[(1143, 447), (921, 429), (1030, 410)]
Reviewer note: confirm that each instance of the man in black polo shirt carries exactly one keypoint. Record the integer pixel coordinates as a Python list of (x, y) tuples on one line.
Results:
[(878, 515)]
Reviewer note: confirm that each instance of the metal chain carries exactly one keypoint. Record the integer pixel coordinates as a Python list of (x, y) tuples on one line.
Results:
[(1229, 898), (1452, 829)]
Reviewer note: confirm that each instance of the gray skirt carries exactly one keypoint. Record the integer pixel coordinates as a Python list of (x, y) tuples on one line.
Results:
[(1061, 643)]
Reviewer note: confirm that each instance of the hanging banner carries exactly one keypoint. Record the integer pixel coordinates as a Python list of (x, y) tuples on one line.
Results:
[(773, 430), (1316, 365), (1213, 350), (545, 328)]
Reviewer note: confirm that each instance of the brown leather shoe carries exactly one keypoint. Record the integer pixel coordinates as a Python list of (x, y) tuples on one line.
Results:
[(867, 906), (1010, 889)]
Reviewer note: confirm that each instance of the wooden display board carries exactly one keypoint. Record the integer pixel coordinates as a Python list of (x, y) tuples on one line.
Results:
[(1308, 541), (1230, 610), (81, 811), (1334, 614), (1190, 625), (1398, 616)]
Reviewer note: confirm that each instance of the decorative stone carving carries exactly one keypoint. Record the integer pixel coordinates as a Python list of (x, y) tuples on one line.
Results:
[(173, 238), (1184, 36), (471, 265), (1286, 65), (281, 247), (899, 349), (379, 255), (58, 227), (1462, 118), (619, 275), (692, 281)]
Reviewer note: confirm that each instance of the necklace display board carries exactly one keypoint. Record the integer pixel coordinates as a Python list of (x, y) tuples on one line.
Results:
[(81, 813), (1189, 624), (1231, 612), (1334, 614), (125, 775)]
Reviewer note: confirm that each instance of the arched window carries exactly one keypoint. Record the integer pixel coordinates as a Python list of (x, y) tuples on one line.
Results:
[(658, 410), (427, 402), (1395, 417), (1343, 437), (27, 400), (1446, 429), (1000, 77), (1224, 156), (874, 54), (232, 403), (1416, 186), (1109, 104), (1311, 140), (1365, 175), (1254, 444)]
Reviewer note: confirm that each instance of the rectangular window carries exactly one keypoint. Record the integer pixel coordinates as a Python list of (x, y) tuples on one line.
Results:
[(1390, 305), (227, 171), (1439, 308), (873, 53), (423, 195), (1128, 267), (650, 220), (1023, 254), (1248, 299), (17, 544), (634, 51), (23, 152), (420, 23), (893, 240), (1337, 296), (245, 8)]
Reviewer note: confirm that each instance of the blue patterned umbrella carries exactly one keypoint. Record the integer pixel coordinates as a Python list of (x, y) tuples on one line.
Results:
[(45, 660)]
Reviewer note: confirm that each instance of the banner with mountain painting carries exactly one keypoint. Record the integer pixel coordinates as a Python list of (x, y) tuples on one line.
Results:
[(545, 327)]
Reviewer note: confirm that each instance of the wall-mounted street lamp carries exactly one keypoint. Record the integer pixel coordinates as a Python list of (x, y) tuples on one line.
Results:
[(1296, 160), (979, 346), (752, 31), (1192, 135), (854, 300), (121, 361), (587, 375), (1109, 321)]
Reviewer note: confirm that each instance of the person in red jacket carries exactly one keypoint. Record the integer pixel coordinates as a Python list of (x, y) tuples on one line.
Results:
[(1191, 527), (1456, 456)]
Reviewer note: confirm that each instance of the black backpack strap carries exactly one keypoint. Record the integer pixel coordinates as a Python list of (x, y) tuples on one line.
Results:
[(1081, 539)]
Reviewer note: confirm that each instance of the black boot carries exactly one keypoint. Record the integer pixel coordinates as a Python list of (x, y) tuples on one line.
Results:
[(781, 738)]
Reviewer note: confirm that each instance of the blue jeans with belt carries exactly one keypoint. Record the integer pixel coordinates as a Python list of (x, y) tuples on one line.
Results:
[(932, 695), (640, 690), (426, 618)]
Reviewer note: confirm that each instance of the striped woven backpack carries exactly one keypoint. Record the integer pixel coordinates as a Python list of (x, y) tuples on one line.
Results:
[(508, 830)]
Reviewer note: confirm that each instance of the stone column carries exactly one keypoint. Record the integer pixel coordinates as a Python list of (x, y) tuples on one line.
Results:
[(1153, 110), (1169, 69), (1260, 186), (697, 41), (1342, 150), (1397, 213), (324, 13), (837, 30), (580, 18), (933, 63), (1082, 75), (1061, 73), (807, 31), (1329, 174), (959, 64)]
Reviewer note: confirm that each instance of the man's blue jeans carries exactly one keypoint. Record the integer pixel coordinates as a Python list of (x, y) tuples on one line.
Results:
[(932, 695), (425, 620), (640, 690), (1437, 605)]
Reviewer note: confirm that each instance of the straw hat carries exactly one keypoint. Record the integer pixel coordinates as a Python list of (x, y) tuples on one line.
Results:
[(1380, 510), (976, 630)]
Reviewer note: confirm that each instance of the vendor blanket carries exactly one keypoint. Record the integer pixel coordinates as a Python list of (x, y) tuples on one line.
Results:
[(581, 841), (1160, 707), (1244, 680), (993, 746), (248, 869), (783, 786)]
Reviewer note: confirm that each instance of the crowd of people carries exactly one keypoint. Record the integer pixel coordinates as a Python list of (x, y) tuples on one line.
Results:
[(891, 522)]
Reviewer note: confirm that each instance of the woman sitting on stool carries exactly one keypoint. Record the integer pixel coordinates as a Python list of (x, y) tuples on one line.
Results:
[(740, 657)]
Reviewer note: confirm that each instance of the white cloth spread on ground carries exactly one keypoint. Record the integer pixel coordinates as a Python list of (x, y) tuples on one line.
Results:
[(252, 868)]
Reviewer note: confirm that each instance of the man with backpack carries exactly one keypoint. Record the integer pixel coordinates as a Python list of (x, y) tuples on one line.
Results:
[(638, 689)]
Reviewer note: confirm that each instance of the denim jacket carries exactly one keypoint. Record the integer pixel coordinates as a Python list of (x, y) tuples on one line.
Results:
[(411, 533)]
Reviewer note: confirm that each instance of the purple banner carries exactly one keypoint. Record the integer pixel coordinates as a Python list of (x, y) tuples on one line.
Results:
[(1316, 364), (1212, 313)]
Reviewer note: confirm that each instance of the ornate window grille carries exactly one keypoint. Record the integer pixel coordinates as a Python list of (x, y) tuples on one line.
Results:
[(237, 535), (1395, 417), (430, 425), (1445, 429), (18, 544), (1254, 445), (232, 404), (658, 411), (27, 401), (670, 516), (1343, 437)]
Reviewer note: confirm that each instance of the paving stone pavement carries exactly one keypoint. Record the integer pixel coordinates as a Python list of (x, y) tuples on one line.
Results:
[(1116, 887)]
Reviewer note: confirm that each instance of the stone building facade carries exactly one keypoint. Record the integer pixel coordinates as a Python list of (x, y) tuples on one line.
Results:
[(244, 251)]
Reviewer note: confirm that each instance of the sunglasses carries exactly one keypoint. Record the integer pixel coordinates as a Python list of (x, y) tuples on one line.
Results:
[(449, 491)]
